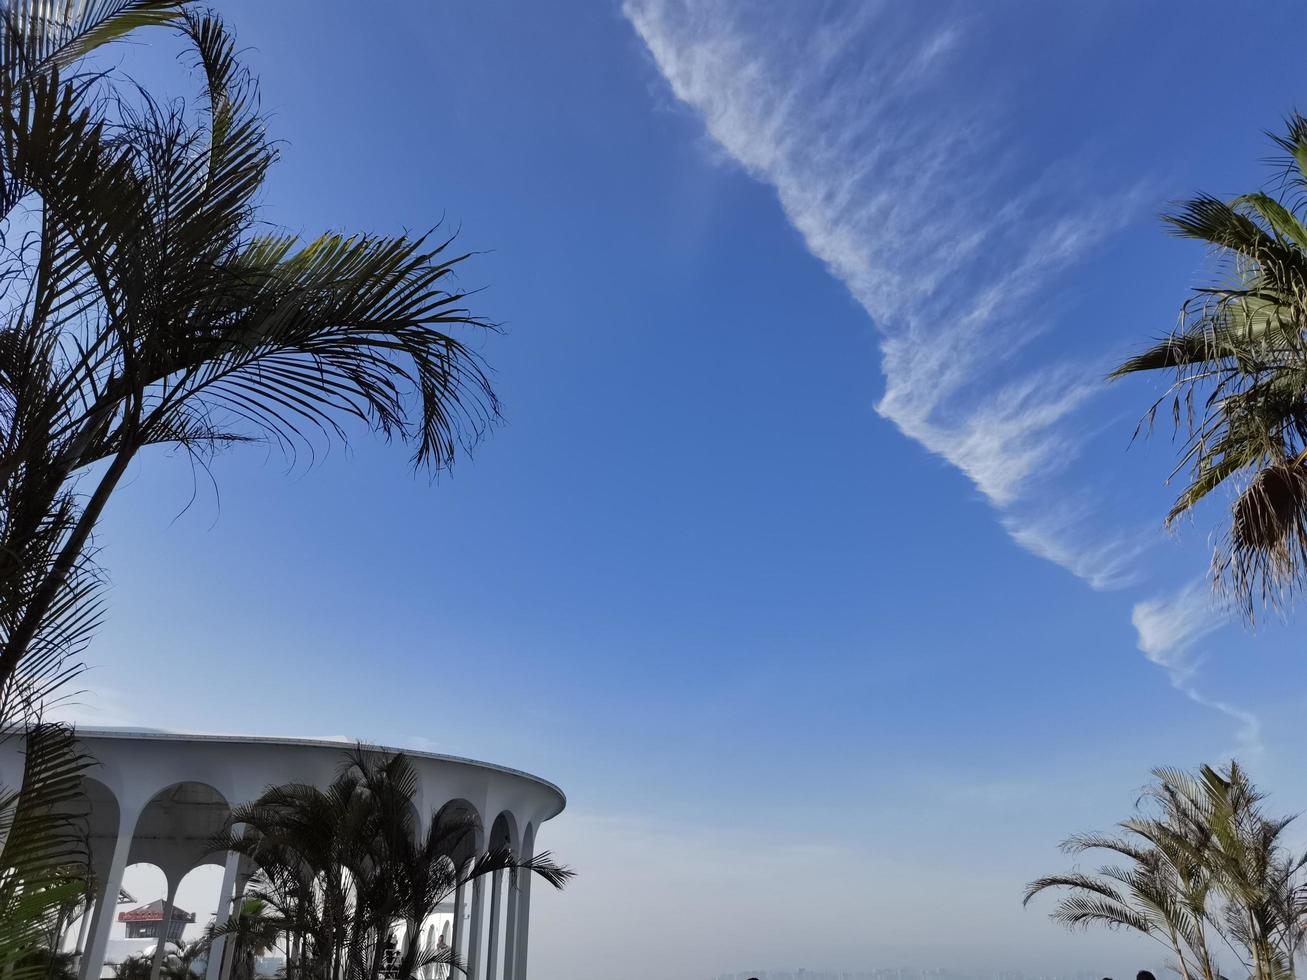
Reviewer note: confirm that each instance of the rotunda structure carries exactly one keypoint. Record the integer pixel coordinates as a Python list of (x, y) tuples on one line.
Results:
[(160, 798)]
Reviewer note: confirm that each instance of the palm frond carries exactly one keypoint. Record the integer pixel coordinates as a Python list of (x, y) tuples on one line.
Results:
[(43, 862), (37, 35), (1239, 357)]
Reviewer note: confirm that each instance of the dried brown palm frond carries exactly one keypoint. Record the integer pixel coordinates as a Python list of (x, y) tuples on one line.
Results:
[(1265, 554), (1239, 394), (1267, 511)]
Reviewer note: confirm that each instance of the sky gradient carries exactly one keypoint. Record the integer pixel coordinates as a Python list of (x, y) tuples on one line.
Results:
[(815, 560)]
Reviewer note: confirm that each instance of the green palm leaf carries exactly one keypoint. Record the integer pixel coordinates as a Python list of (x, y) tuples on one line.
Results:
[(159, 311), (1239, 362)]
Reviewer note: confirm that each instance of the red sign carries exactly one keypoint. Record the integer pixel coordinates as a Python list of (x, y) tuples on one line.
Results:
[(154, 915)]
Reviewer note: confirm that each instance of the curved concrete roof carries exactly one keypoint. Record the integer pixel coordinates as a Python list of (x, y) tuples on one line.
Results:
[(109, 731)]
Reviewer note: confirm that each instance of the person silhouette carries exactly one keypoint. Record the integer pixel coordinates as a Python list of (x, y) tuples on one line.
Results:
[(1144, 975)]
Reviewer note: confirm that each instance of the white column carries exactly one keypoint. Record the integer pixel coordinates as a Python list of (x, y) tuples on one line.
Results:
[(162, 944), (237, 904), (456, 937), (84, 925), (510, 923), (492, 954), (93, 960), (219, 947), (475, 937), (523, 918)]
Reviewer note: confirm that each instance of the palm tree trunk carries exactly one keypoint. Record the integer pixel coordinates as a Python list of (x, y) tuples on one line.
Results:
[(1179, 954), (20, 639), (1204, 954), (378, 955), (412, 944)]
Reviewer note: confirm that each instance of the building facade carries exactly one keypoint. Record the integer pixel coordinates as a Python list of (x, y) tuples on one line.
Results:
[(146, 921), (160, 798)]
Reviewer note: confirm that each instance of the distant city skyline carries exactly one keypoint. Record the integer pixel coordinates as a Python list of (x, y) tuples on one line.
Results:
[(904, 973)]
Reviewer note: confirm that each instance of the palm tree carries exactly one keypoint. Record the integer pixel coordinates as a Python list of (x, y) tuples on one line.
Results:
[(1239, 357), (340, 868), (133, 968), (43, 861), (181, 965), (1143, 896), (48, 964), (148, 306), (1205, 865), (1259, 879), (254, 933), (432, 866)]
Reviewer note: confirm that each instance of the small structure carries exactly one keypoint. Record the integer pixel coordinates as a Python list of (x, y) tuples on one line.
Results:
[(146, 922)]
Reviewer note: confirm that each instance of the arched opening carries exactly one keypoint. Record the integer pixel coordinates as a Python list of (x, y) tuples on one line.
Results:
[(503, 833), (137, 923), (198, 891), (175, 828), (173, 833), (460, 822)]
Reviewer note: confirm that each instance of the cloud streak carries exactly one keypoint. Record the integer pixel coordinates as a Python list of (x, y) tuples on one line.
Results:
[(1169, 627), (842, 117), (901, 187)]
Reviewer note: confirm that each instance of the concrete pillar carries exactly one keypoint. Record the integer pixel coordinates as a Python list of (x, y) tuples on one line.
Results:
[(294, 953), (510, 923), (476, 937), (107, 905), (523, 918), (456, 939), (162, 945), (237, 904), (84, 926), (492, 951), (219, 948)]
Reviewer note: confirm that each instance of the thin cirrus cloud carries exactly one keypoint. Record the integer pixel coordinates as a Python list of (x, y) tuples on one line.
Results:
[(1168, 628), (895, 190), (900, 190)]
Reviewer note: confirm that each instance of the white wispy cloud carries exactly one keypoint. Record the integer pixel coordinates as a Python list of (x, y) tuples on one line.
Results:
[(1064, 533), (900, 195), (1169, 628), (905, 193)]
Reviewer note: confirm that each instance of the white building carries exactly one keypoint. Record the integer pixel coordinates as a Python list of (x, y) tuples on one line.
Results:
[(159, 798)]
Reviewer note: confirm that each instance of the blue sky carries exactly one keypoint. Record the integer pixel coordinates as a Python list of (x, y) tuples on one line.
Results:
[(814, 560)]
